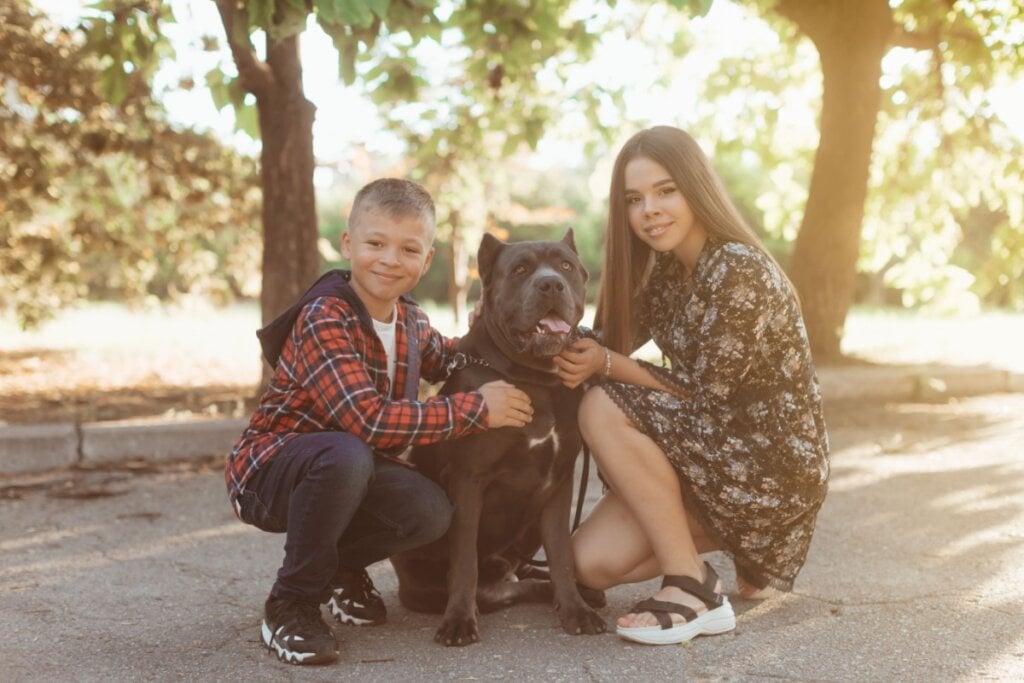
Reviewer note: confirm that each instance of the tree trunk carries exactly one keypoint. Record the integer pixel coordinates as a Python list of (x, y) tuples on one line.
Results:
[(851, 37), (458, 270), (290, 258)]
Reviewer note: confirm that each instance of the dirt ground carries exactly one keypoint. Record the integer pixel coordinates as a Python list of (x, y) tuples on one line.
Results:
[(39, 386), (108, 362)]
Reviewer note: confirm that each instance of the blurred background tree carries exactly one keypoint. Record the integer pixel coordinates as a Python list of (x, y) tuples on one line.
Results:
[(860, 138), (969, 46), (99, 200), (499, 97)]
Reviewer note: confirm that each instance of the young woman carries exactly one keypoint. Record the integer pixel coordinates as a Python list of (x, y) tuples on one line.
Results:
[(724, 449)]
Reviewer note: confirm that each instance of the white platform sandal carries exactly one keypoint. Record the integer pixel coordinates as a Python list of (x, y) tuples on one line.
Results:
[(718, 618)]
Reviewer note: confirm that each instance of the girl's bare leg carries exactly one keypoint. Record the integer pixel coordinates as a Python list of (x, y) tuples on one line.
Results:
[(647, 509)]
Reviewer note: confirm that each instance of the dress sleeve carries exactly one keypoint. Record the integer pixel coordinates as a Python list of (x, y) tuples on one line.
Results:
[(742, 296), (332, 369)]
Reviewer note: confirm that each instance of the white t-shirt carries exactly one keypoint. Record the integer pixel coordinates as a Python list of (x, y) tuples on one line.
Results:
[(386, 332)]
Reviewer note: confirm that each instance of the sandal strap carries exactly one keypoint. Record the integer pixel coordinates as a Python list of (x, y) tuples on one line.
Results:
[(661, 610), (703, 591)]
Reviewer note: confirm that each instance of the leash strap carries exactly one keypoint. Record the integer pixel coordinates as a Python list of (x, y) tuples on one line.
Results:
[(584, 478), (580, 497)]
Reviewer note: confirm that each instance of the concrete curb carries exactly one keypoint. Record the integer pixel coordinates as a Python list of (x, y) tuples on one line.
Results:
[(31, 448), (915, 383), (35, 448)]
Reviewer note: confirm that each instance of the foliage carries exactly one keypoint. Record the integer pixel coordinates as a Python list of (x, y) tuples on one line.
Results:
[(943, 219), (506, 75), (108, 200)]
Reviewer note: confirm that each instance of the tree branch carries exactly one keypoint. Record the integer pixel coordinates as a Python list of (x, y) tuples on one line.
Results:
[(256, 76)]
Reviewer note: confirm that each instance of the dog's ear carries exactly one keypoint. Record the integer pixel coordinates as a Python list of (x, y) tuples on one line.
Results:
[(490, 247), (570, 240)]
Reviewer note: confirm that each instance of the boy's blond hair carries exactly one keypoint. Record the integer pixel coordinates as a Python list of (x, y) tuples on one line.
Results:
[(396, 197)]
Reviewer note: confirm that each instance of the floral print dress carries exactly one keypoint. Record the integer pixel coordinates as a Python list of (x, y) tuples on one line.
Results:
[(747, 434)]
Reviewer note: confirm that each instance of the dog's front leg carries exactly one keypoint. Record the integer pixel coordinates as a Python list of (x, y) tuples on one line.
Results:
[(459, 626), (576, 616)]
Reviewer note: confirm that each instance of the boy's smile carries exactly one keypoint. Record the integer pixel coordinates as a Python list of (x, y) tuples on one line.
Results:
[(389, 254)]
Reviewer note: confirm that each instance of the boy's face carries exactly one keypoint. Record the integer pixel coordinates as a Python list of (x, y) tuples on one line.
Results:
[(389, 254)]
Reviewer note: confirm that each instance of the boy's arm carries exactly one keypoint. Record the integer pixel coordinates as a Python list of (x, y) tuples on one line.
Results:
[(333, 372)]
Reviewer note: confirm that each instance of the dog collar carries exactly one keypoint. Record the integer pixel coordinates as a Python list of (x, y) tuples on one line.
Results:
[(462, 360)]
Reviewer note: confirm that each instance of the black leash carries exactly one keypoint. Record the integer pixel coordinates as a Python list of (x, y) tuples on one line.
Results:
[(584, 477), (580, 497)]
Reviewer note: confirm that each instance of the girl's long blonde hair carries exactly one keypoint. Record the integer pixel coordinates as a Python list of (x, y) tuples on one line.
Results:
[(627, 260)]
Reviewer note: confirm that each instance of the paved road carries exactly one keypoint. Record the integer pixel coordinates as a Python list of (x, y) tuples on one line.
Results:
[(916, 573)]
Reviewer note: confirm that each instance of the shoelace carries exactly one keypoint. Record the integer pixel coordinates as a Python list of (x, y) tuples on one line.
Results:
[(305, 618), (362, 588)]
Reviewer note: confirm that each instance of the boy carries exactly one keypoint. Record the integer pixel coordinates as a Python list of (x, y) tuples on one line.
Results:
[(318, 460)]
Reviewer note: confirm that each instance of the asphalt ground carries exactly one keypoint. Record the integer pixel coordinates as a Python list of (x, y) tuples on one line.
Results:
[(137, 570)]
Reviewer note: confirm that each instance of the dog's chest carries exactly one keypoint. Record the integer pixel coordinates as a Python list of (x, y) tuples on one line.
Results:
[(546, 440)]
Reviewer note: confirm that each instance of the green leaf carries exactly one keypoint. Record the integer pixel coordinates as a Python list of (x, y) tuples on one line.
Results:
[(247, 120), (352, 12), (261, 12), (347, 62), (379, 7), (114, 83), (219, 92), (697, 8)]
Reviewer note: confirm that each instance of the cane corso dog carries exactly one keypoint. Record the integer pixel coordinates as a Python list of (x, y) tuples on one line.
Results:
[(511, 487)]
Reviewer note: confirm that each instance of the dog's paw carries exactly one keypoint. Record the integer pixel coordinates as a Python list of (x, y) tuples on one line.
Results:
[(457, 631), (581, 619)]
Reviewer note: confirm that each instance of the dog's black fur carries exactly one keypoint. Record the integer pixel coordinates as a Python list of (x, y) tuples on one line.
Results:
[(511, 487)]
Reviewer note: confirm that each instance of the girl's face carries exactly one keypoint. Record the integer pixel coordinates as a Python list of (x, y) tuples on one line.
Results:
[(658, 213)]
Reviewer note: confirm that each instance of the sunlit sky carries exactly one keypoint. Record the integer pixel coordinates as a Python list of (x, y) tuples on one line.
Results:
[(346, 117)]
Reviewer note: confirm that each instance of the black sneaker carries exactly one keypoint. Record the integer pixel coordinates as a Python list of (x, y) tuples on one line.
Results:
[(355, 600), (294, 631)]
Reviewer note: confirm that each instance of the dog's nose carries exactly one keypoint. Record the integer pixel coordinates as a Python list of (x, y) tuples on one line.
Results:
[(551, 283)]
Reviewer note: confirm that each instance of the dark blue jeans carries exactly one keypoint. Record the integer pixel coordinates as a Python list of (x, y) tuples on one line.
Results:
[(341, 508)]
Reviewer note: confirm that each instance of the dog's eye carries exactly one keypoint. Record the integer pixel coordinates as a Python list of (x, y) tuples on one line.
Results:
[(566, 266), (519, 270)]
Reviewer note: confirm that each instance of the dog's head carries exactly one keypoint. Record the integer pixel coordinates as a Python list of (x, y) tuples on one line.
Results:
[(533, 294)]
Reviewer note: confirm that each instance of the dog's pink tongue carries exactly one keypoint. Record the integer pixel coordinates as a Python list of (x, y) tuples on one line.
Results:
[(555, 325)]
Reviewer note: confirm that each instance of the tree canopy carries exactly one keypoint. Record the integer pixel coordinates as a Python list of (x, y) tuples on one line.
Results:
[(108, 200), (903, 173)]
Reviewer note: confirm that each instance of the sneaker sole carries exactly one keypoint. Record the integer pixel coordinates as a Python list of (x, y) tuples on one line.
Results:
[(290, 656), (344, 617), (714, 622)]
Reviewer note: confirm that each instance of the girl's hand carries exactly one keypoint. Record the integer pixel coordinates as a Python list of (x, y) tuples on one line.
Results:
[(577, 363)]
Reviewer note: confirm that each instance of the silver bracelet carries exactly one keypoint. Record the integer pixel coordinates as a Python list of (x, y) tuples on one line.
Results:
[(607, 362)]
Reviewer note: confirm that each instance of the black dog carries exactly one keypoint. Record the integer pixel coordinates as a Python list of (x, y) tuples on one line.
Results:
[(512, 488)]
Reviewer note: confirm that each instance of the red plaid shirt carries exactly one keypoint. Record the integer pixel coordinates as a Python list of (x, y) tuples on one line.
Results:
[(332, 376)]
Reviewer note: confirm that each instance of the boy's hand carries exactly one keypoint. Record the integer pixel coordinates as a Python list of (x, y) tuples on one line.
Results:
[(578, 362), (506, 405)]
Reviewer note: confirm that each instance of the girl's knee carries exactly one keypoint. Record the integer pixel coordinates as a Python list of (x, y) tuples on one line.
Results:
[(589, 569)]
